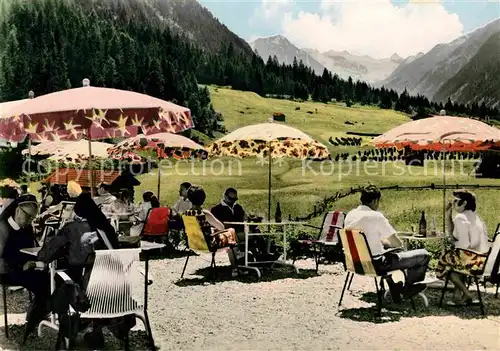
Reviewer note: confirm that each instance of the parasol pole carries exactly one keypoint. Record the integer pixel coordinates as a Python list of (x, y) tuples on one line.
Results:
[(269, 187), (159, 178), (31, 95), (159, 169), (29, 160), (91, 173), (444, 189)]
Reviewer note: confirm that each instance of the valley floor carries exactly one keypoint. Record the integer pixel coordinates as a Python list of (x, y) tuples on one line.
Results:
[(284, 312)]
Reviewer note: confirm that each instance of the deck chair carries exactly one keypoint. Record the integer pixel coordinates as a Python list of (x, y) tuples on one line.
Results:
[(328, 236), (116, 289), (490, 271), (156, 225), (196, 242), (53, 225), (359, 260)]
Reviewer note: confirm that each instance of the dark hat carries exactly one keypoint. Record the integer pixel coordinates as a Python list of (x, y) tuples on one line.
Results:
[(27, 199)]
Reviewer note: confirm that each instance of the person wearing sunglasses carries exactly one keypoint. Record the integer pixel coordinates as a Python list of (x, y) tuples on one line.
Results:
[(470, 238), (228, 210), (18, 269)]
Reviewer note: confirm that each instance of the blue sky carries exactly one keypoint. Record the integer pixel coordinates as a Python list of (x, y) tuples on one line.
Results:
[(314, 24)]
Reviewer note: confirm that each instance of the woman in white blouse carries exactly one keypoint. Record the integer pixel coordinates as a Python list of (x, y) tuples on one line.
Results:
[(471, 245)]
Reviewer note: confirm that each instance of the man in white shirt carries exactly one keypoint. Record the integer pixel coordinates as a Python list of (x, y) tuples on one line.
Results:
[(104, 198), (381, 236)]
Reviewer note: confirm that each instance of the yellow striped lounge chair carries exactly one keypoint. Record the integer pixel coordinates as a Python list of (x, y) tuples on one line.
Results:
[(196, 241), (359, 260)]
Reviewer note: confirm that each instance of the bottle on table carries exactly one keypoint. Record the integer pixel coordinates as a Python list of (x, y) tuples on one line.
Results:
[(423, 225), (277, 216)]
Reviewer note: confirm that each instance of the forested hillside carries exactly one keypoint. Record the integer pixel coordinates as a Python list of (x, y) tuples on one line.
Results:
[(479, 80), (183, 17), (48, 45)]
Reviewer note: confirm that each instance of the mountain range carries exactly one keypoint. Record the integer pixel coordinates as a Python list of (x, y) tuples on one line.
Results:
[(464, 70), (427, 74), (343, 63), (285, 52), (461, 70), (478, 81)]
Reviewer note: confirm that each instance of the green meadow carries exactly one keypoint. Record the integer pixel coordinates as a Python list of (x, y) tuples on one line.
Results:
[(299, 185)]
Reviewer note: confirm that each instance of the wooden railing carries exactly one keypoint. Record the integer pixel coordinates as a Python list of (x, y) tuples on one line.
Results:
[(320, 208)]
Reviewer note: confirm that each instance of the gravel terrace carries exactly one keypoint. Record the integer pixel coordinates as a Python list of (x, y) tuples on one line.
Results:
[(282, 311)]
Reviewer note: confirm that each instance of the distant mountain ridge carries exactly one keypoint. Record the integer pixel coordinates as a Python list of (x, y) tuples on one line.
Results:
[(359, 67), (479, 80), (343, 63), (285, 51), (426, 74)]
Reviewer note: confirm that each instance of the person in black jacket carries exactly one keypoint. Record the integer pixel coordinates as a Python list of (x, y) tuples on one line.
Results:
[(17, 268), (96, 219), (230, 211)]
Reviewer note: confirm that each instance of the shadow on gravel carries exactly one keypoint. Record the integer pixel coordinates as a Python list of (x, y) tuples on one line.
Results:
[(138, 340), (224, 274), (392, 312), (165, 254)]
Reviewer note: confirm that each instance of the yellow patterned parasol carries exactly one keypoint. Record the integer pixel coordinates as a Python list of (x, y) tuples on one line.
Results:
[(258, 139)]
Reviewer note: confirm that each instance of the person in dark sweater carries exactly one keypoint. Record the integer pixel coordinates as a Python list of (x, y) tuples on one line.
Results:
[(230, 211), (97, 220)]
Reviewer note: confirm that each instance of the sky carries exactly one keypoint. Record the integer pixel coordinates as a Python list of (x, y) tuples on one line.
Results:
[(378, 28)]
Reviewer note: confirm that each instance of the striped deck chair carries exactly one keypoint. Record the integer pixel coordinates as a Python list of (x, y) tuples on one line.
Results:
[(196, 242), (490, 271), (359, 260), (333, 222)]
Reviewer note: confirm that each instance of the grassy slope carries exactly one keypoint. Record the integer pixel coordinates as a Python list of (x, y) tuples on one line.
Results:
[(244, 108), (296, 191)]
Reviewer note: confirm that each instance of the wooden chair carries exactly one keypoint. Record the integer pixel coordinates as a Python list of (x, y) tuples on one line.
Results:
[(328, 236), (490, 270), (359, 260), (196, 242)]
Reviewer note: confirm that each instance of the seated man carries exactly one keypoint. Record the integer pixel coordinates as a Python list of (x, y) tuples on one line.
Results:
[(380, 235), (104, 199), (229, 211), (16, 233)]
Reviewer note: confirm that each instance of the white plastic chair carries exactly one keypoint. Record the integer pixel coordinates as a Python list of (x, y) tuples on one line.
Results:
[(116, 288)]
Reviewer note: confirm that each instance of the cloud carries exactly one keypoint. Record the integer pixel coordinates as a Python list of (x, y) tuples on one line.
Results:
[(270, 10), (373, 27)]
